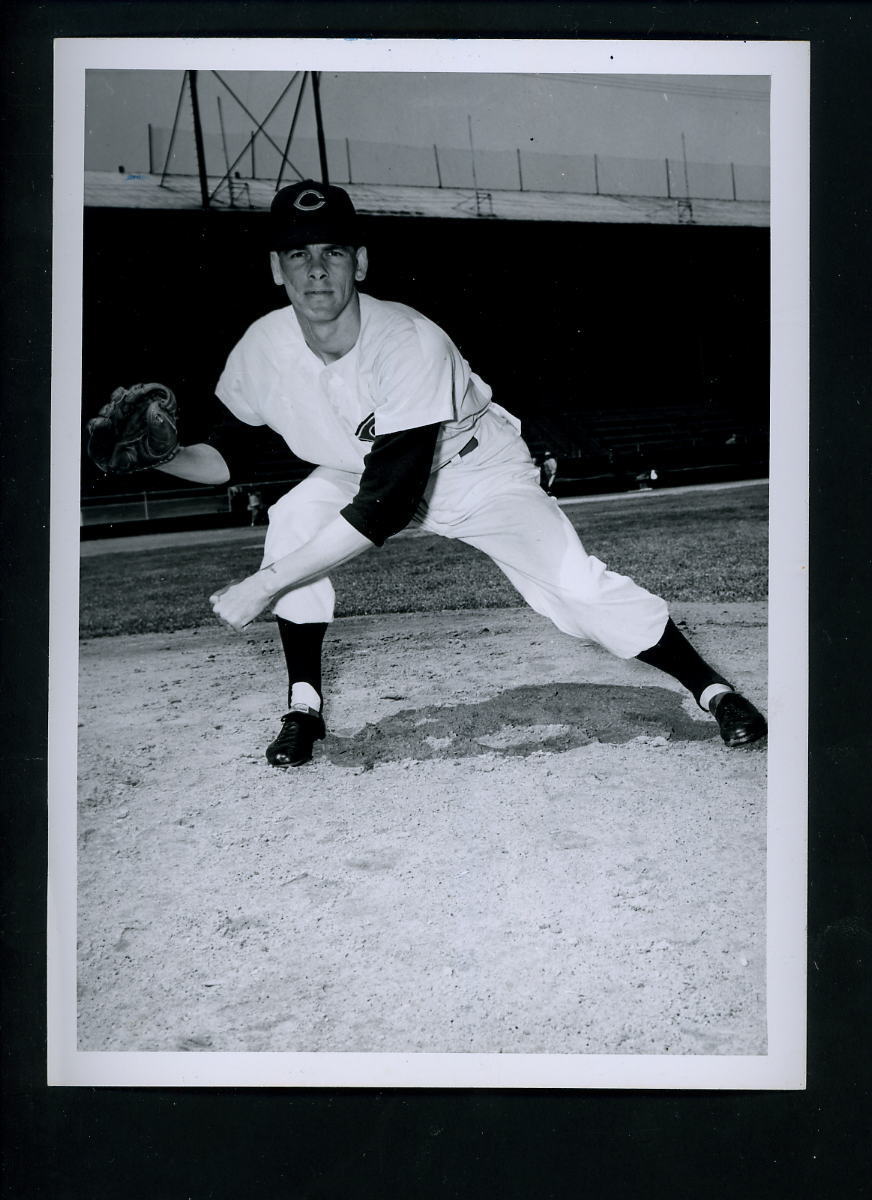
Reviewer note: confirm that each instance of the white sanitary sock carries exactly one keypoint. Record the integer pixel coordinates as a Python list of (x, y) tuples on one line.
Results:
[(708, 694), (304, 694)]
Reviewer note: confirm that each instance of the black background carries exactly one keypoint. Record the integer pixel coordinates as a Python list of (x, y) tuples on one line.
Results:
[(551, 315), (65, 1143)]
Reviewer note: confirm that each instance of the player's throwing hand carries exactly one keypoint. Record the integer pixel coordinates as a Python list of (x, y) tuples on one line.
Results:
[(239, 603)]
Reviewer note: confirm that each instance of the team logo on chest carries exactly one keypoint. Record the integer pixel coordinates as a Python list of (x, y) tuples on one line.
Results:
[(366, 429)]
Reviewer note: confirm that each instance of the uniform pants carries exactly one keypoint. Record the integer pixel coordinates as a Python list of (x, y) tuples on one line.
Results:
[(491, 499)]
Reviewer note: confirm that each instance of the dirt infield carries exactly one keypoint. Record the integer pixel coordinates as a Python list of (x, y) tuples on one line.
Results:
[(510, 842)]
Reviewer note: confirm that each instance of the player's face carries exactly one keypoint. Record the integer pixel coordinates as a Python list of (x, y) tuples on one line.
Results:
[(320, 279)]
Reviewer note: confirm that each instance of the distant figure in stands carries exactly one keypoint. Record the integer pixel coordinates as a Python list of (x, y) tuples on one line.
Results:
[(548, 472), (647, 479), (255, 506)]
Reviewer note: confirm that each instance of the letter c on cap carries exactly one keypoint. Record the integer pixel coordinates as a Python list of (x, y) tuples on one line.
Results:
[(310, 201)]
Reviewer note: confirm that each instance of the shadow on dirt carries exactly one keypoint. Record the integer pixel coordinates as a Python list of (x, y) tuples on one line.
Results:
[(521, 721)]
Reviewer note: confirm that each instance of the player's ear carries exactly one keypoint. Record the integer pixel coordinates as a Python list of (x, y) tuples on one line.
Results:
[(361, 261), (276, 267)]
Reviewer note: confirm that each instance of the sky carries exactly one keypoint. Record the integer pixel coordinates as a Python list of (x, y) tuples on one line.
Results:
[(723, 118)]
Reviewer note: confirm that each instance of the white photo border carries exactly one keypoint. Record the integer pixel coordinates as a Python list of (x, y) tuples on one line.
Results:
[(783, 1066)]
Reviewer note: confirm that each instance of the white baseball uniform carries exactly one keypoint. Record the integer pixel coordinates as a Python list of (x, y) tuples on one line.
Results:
[(404, 373)]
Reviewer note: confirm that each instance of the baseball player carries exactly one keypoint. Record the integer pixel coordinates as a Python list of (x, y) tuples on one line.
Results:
[(255, 506), (402, 433)]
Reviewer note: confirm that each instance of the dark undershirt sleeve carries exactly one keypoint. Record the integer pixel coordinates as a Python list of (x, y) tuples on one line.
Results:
[(395, 474)]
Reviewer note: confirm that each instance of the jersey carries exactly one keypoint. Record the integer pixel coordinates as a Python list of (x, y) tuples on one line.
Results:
[(402, 373)]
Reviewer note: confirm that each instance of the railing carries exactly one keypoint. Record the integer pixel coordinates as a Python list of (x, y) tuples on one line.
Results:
[(113, 509)]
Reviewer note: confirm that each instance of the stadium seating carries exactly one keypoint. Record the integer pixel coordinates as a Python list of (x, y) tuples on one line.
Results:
[(609, 448)]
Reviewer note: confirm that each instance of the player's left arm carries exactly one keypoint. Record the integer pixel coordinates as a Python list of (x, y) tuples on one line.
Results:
[(395, 474)]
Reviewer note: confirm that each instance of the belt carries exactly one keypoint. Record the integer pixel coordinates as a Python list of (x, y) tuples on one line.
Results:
[(462, 453)]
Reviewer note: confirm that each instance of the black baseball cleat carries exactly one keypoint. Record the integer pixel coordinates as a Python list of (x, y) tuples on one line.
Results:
[(301, 728), (738, 720)]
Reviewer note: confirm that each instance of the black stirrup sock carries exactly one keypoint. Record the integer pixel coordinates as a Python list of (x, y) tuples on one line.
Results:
[(302, 647), (676, 656)]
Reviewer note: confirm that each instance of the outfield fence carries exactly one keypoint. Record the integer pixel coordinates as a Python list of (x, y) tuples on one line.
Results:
[(592, 470), (242, 157), (203, 501)]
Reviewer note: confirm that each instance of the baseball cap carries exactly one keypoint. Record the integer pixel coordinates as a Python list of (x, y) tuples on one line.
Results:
[(309, 212)]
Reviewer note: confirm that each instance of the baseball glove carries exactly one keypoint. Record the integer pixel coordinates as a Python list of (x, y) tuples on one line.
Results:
[(135, 430)]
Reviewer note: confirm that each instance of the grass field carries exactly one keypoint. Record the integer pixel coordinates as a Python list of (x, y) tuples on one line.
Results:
[(703, 546)]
